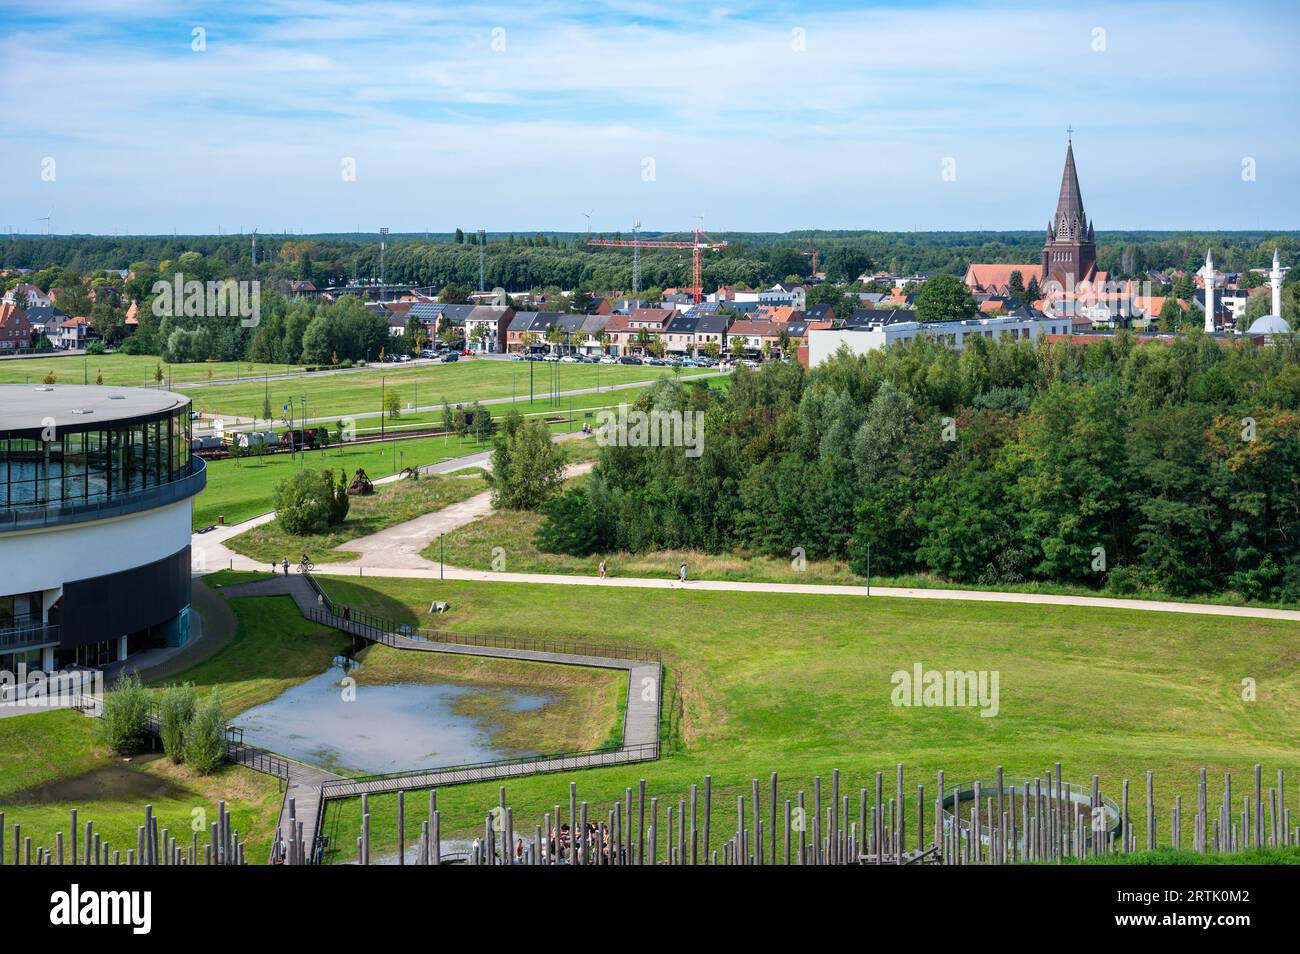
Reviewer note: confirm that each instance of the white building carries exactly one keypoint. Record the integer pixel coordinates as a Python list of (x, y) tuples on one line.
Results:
[(822, 344)]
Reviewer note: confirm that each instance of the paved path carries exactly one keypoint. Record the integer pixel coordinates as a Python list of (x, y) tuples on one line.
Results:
[(400, 545), (211, 554)]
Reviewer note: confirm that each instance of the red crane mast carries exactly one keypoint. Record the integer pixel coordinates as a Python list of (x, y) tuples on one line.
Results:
[(696, 247)]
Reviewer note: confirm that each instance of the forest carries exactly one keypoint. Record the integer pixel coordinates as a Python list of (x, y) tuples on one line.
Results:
[(1119, 466)]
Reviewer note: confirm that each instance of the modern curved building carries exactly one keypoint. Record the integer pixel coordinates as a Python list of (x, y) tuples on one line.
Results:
[(96, 485)]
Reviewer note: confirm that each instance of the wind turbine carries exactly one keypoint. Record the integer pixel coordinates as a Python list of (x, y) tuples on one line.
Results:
[(588, 215), (46, 220)]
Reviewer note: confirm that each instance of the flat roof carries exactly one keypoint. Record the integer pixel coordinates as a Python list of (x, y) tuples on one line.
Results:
[(30, 406)]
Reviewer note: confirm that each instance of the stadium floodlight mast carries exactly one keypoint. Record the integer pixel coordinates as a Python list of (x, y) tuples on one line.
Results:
[(383, 246), (482, 246)]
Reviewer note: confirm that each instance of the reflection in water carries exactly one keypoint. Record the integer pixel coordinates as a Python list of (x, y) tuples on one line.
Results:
[(388, 728)]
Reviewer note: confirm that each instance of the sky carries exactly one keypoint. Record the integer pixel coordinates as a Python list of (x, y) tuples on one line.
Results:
[(146, 116)]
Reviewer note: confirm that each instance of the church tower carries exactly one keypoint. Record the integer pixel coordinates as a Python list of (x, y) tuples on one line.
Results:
[(1070, 254)]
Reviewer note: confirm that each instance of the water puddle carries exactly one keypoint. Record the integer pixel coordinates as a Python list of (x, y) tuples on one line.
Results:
[(384, 728)]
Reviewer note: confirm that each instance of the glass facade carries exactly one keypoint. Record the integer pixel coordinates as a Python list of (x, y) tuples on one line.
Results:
[(93, 463)]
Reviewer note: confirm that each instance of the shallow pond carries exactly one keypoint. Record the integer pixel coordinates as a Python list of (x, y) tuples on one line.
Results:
[(382, 728)]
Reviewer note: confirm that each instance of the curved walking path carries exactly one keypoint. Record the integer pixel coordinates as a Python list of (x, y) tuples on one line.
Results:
[(395, 552)]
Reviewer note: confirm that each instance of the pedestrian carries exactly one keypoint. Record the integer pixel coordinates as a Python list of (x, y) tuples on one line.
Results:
[(286, 566), (602, 569), (681, 572)]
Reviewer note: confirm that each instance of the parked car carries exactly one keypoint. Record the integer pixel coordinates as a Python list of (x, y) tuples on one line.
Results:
[(550, 357), (608, 359), (571, 359), (630, 359), (428, 353), (449, 357), (516, 357), (689, 362)]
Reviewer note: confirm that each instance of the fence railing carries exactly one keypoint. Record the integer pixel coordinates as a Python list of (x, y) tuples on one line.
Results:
[(189, 483), (499, 768), (29, 637)]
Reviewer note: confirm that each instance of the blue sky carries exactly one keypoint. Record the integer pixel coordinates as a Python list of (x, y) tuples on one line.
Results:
[(765, 116)]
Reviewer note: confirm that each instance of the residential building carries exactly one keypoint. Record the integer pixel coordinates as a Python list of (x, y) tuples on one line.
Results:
[(16, 332)]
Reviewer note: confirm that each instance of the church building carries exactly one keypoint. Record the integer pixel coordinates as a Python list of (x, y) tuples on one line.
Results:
[(1069, 253)]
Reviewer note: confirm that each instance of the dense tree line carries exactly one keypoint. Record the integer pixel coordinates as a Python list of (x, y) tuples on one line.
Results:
[(1171, 467), (518, 262)]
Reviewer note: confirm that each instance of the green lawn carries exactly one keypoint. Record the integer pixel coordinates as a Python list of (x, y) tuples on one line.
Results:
[(335, 395), (390, 504), (801, 685), (238, 490), (53, 763), (131, 370)]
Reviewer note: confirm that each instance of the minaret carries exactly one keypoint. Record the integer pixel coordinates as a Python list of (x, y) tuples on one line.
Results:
[(1209, 293), (1275, 282)]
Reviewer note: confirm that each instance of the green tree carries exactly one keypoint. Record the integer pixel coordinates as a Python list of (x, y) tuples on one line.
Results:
[(205, 734), (124, 726), (944, 298), (176, 707), (527, 467)]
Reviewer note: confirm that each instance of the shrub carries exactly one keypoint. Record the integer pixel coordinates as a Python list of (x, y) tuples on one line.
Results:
[(125, 724), (309, 501), (175, 710), (205, 735), (1124, 579), (95, 347)]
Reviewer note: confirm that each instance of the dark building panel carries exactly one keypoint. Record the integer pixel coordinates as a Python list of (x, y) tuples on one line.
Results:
[(105, 607)]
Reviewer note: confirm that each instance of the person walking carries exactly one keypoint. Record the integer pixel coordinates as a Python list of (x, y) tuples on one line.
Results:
[(286, 566), (681, 572), (602, 569)]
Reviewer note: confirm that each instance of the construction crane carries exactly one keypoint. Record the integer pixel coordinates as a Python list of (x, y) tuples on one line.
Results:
[(696, 247), (813, 254)]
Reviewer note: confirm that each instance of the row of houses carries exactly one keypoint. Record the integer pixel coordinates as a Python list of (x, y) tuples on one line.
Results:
[(21, 329), (710, 327)]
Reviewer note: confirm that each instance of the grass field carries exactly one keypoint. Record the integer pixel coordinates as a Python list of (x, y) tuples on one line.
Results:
[(390, 504), (801, 684), (242, 489), (53, 763), (135, 370), (332, 395)]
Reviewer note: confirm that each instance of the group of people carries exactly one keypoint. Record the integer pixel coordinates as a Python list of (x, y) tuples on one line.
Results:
[(555, 849)]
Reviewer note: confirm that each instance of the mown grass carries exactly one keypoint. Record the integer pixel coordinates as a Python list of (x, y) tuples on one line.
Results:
[(240, 489), (360, 392), (45, 749), (801, 684), (388, 506), (132, 370)]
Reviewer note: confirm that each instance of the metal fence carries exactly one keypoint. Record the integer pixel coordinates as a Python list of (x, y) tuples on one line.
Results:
[(489, 771), (29, 637), (188, 484)]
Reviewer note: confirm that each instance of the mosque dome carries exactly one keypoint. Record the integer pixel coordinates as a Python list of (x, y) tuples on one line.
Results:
[(1269, 325)]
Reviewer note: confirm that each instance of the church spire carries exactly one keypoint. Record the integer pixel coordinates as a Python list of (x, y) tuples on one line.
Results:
[(1070, 221)]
